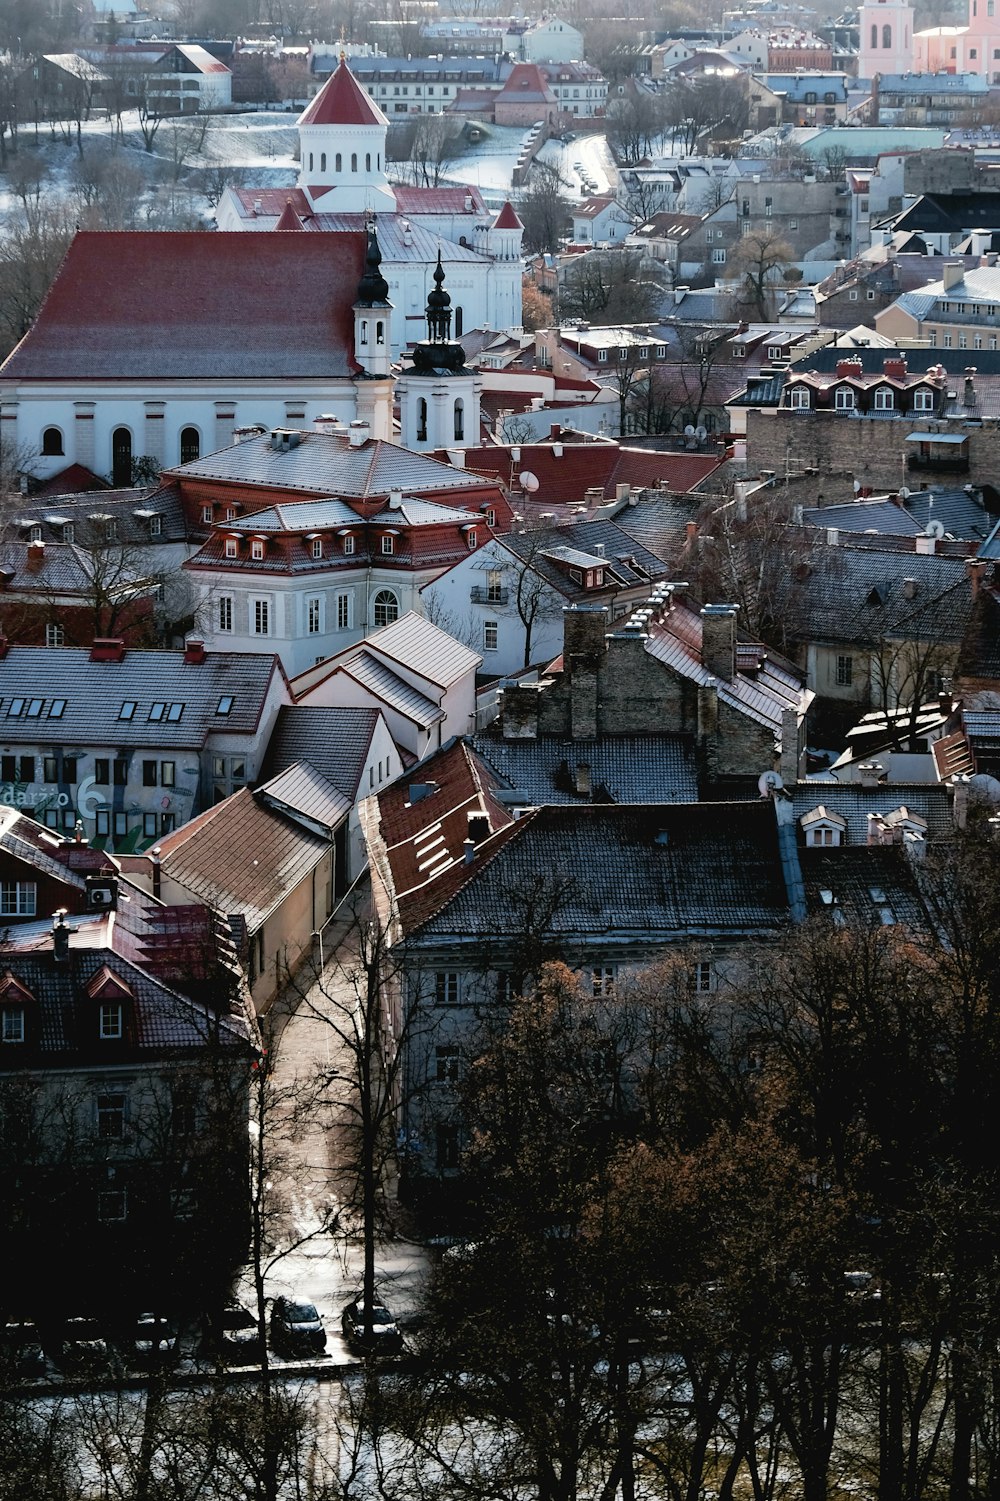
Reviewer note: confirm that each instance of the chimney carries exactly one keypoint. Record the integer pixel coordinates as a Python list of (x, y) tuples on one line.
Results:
[(690, 533), (952, 272), (870, 773), (358, 433), (585, 633), (584, 784), (60, 936), (78, 831), (194, 652), (718, 640), (975, 567), (478, 826), (557, 450), (107, 649), (36, 554), (853, 366), (519, 711), (395, 499), (970, 386), (327, 423), (910, 588), (894, 367), (154, 863), (420, 790), (469, 850)]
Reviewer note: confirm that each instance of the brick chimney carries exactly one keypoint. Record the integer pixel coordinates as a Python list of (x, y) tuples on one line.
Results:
[(194, 652), (36, 555), (584, 633), (107, 649), (718, 640), (853, 366), (952, 272), (894, 367)]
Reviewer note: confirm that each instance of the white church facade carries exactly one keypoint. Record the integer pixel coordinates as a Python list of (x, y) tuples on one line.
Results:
[(889, 44), (343, 182)]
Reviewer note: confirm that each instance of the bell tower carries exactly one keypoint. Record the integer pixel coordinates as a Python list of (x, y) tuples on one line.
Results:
[(372, 310), (439, 396), (886, 38)]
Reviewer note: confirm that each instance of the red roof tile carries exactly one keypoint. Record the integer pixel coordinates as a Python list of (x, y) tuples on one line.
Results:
[(507, 218), (563, 480), (289, 219), (342, 101), (411, 200)]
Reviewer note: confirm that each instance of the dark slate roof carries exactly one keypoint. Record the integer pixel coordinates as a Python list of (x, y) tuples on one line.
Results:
[(955, 361), (951, 213), (65, 1022), (95, 691), (333, 741), (626, 562), (622, 768), (50, 853), (153, 305), (980, 653), (871, 886), (626, 875), (302, 791), (90, 513), (855, 594), (65, 568), (961, 514), (659, 520), (863, 516), (857, 804), (762, 390)]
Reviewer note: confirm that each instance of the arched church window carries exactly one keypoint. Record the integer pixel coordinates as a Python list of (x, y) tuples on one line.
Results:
[(354, 161), (386, 607), (364, 330), (338, 163), (459, 421), (190, 445), (322, 161), (886, 36), (459, 322), (874, 36), (421, 420), (52, 442), (368, 161), (121, 458), (380, 332), (310, 161)]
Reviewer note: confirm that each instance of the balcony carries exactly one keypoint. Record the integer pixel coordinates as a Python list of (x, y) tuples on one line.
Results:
[(482, 594), (952, 464)]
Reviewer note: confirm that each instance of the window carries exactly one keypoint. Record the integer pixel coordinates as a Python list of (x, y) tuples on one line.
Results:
[(230, 548), (69, 768), (127, 709), (702, 978), (344, 612), (338, 163), (946, 341), (237, 771), (13, 1024), (190, 446), (112, 1205), (491, 517), (121, 772), (884, 400), (602, 356), (845, 671), (491, 635), (768, 203), (852, 295), (149, 825), (447, 991), (149, 773), (886, 36), (52, 442), (261, 617), (206, 513), (447, 1148), (16, 708), (494, 585), (874, 38), (103, 821), (18, 898), (257, 549), (317, 547), (388, 544), (844, 399), (313, 623), (230, 513), (793, 223), (175, 712), (824, 835), (111, 1112), (110, 1022), (102, 772), (386, 607), (225, 612), (459, 421), (121, 825), (155, 526), (225, 704), (50, 772), (55, 635), (470, 539), (349, 544), (166, 773), (459, 322), (34, 534), (718, 257), (157, 711), (422, 420), (923, 401), (602, 979), (34, 709), (798, 398), (870, 295), (447, 1065)]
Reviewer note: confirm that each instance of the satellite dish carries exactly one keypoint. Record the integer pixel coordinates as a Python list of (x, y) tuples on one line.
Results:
[(984, 786), (905, 492), (701, 433), (768, 782), (689, 431), (528, 481), (934, 528), (857, 486)]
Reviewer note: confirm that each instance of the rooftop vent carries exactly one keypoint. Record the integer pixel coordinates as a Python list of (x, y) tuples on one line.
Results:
[(194, 651), (107, 649)]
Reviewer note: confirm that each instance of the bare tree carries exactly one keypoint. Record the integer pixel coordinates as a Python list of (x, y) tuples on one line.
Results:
[(543, 208), (611, 286), (758, 260), (427, 146), (33, 242)]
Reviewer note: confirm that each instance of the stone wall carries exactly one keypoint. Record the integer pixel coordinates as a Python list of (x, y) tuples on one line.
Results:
[(875, 448)]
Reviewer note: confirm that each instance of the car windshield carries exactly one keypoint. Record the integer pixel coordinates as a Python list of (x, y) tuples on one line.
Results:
[(83, 1329), (237, 1318), (380, 1315), (301, 1313)]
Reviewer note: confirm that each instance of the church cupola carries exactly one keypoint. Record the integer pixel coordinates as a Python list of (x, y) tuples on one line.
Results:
[(342, 137), (439, 396), (372, 311)]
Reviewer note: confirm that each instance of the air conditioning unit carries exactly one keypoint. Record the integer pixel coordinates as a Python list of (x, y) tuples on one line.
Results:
[(102, 893)]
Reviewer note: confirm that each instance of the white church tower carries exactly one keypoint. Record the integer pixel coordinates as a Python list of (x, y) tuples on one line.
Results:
[(373, 344), (886, 38), (342, 149), (439, 396)]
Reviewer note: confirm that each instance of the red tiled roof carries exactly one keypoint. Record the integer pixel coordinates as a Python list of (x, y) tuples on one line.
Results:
[(73, 480), (526, 81), (342, 101), (289, 219), (564, 480), (591, 207), (507, 218), (410, 200), (183, 305)]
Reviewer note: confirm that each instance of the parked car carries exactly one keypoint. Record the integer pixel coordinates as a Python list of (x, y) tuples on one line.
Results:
[(21, 1348), (154, 1340), (296, 1328), (232, 1336), (384, 1338), (82, 1345)]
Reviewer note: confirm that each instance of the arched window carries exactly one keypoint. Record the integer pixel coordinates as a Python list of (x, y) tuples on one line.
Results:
[(121, 458), (421, 420), (310, 161), (874, 37), (459, 421), (886, 36), (338, 163), (354, 161), (190, 445), (364, 330), (380, 332), (52, 441), (459, 322), (368, 161), (322, 161), (386, 607), (378, 158)]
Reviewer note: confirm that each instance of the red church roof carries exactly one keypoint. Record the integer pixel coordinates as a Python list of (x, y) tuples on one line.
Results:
[(342, 101), (507, 218), (183, 305), (288, 219)]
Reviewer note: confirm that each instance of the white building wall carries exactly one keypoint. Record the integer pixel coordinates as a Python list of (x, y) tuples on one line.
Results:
[(448, 601), (553, 41)]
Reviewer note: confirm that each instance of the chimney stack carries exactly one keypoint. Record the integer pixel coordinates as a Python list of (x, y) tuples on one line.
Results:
[(952, 272), (358, 434), (194, 651), (107, 649), (60, 936), (718, 640)]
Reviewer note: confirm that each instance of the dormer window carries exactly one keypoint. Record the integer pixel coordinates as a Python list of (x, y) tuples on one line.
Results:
[(470, 539), (111, 1020), (230, 547), (798, 398), (823, 829), (12, 1024), (317, 547), (349, 544), (388, 545), (884, 400), (923, 401), (844, 399), (257, 549)]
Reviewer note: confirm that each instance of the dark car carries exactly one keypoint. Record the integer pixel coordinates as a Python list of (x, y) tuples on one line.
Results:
[(21, 1348), (83, 1346), (232, 1336), (153, 1340), (296, 1328), (383, 1338)]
